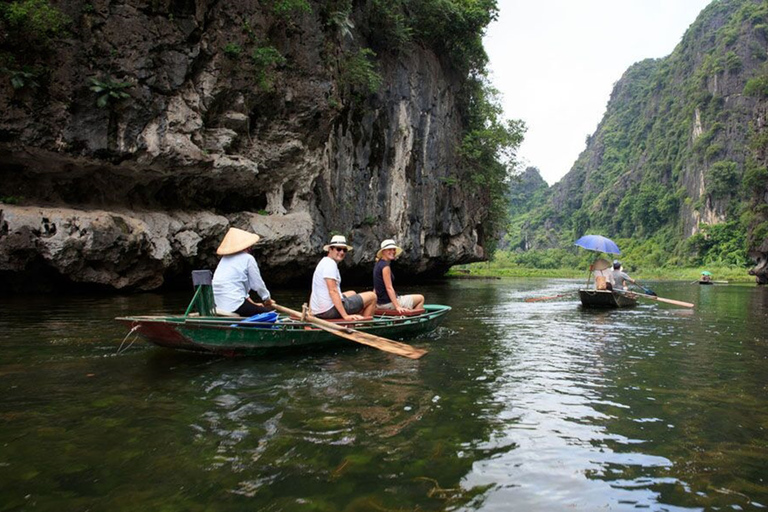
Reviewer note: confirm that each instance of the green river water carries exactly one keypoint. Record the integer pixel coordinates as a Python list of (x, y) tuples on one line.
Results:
[(518, 406)]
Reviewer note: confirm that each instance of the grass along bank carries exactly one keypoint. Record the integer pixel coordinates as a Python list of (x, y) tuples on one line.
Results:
[(502, 269)]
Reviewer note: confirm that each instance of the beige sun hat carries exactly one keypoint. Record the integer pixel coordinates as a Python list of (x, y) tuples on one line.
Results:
[(601, 264), (236, 240), (337, 241), (389, 244)]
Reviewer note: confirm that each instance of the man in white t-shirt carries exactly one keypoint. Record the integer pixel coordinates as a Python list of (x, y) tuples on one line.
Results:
[(326, 300)]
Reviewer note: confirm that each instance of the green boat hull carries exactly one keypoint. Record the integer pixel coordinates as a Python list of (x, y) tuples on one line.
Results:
[(231, 336)]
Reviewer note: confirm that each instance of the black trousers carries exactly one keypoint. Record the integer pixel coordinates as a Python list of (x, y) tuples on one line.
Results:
[(248, 308)]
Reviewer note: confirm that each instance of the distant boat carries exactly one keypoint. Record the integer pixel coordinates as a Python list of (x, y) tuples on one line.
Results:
[(606, 299)]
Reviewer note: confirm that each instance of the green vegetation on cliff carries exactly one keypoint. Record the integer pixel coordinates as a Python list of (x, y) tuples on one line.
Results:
[(677, 164), (454, 30)]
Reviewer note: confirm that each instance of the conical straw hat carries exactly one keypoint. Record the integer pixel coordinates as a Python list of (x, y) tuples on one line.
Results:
[(236, 240)]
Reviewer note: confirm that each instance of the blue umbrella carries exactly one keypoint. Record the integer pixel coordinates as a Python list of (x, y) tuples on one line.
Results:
[(598, 243)]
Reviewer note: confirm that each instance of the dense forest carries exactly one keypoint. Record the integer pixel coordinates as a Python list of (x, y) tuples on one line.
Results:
[(676, 169)]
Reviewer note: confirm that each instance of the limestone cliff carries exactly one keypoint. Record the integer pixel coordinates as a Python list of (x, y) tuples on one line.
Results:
[(679, 157), (146, 129)]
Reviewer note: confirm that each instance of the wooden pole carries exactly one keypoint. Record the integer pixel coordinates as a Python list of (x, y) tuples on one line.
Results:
[(393, 347), (537, 299), (660, 299)]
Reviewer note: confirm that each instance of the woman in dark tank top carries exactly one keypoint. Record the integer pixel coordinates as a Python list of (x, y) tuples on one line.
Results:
[(383, 281)]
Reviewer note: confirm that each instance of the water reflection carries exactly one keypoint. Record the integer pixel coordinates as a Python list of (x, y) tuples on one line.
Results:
[(525, 406), (596, 401)]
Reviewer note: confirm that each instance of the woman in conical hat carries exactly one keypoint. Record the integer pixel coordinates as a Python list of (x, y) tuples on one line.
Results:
[(383, 280), (237, 274), (603, 274)]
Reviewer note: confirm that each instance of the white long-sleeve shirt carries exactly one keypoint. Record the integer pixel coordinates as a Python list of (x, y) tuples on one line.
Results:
[(235, 276)]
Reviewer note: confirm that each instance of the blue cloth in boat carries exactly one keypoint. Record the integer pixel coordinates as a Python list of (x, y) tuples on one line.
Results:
[(269, 317)]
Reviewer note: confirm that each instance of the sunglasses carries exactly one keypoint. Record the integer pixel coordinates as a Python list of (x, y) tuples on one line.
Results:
[(341, 249)]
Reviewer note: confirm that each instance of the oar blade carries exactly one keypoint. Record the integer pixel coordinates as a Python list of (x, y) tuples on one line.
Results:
[(393, 347), (537, 299), (675, 302)]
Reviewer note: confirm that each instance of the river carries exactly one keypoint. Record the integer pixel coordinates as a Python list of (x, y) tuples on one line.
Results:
[(531, 406)]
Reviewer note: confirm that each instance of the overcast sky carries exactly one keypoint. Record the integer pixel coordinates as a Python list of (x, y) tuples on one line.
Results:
[(555, 63)]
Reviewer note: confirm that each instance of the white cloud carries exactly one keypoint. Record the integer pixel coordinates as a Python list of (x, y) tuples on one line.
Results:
[(555, 63)]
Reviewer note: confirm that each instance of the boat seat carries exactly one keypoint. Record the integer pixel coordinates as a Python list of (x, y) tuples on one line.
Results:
[(335, 320), (393, 312), (221, 312), (341, 320)]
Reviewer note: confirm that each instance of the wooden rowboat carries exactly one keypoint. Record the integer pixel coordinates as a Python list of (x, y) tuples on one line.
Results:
[(234, 336), (607, 299), (201, 329)]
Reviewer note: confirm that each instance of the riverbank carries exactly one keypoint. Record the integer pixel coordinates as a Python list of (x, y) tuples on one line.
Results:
[(504, 269)]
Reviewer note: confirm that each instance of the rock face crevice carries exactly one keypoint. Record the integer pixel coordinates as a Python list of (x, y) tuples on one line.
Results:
[(211, 135)]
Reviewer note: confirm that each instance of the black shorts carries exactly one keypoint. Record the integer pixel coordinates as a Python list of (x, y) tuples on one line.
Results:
[(352, 305)]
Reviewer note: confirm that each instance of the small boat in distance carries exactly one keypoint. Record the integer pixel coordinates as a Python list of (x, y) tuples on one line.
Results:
[(606, 299), (601, 296)]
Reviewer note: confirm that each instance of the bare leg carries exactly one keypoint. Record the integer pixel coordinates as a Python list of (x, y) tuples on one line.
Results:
[(369, 303), (418, 301)]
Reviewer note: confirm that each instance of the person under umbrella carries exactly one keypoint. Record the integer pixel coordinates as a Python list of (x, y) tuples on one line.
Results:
[(601, 269), (620, 277)]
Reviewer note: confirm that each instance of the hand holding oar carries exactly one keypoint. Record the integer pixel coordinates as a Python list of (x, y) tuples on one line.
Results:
[(394, 347), (537, 299), (645, 288), (660, 299)]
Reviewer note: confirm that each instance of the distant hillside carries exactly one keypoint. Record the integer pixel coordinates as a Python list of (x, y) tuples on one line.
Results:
[(528, 190), (679, 159)]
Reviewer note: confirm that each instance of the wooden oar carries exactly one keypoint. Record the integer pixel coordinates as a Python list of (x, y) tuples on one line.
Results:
[(536, 299), (660, 299), (394, 347)]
